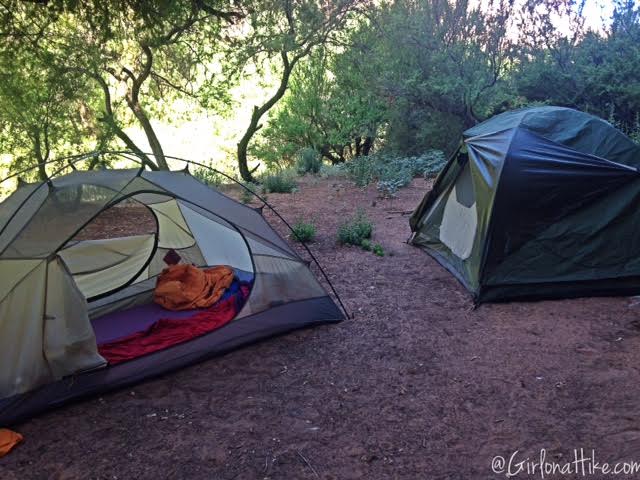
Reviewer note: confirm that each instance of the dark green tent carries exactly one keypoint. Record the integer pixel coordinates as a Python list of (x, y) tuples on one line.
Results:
[(537, 203)]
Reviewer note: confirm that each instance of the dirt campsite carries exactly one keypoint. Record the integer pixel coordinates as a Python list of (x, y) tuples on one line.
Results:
[(418, 380)]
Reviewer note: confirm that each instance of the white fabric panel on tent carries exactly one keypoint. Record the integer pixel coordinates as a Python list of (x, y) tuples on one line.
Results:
[(88, 256), (21, 332), (195, 192), (69, 341), (220, 245), (459, 226), (143, 276), (99, 266), (460, 216), (173, 232)]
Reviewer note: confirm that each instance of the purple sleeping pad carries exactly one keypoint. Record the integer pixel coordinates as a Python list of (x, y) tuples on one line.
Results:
[(120, 324), (116, 325)]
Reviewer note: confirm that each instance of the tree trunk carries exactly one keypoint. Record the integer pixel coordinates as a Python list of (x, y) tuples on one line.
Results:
[(325, 151), (243, 147), (133, 100), (128, 142), (40, 157), (109, 119), (358, 146), (258, 112), (470, 118), (154, 143), (366, 146)]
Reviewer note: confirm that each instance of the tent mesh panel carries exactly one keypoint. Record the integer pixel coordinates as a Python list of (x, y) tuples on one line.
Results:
[(60, 216)]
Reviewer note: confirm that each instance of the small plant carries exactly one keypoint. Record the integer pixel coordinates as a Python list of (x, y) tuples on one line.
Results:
[(246, 195), (392, 182), (279, 182), (308, 161), (355, 230), (378, 250), (366, 245), (303, 232)]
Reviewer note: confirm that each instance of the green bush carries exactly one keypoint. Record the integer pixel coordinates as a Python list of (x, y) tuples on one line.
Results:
[(308, 161), (245, 195), (328, 171), (391, 172), (635, 131), (279, 182), (378, 250), (208, 176), (431, 163), (366, 245), (355, 230), (393, 180), (304, 232), (362, 170)]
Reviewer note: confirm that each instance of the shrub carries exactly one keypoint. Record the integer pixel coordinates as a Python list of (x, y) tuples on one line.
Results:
[(308, 161), (393, 173), (208, 176), (362, 170), (431, 163), (337, 170), (378, 250), (355, 230), (393, 180), (635, 131), (304, 232), (366, 245), (246, 196), (279, 182)]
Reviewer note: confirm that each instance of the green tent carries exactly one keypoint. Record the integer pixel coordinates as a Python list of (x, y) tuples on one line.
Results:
[(537, 203)]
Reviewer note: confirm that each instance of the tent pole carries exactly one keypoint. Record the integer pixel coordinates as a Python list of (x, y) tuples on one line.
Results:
[(74, 159)]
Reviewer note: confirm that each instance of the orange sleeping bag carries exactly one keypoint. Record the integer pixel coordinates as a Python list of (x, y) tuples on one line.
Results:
[(185, 287)]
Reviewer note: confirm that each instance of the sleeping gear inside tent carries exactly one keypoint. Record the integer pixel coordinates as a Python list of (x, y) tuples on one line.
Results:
[(537, 203), (153, 327), (77, 310), (186, 287)]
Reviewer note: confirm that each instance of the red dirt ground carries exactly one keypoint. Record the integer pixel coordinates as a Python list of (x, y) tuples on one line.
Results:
[(417, 385)]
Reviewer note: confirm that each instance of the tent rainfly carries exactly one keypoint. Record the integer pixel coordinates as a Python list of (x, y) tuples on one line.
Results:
[(62, 296), (537, 203)]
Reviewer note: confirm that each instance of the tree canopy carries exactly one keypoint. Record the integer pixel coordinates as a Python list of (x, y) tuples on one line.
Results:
[(344, 78)]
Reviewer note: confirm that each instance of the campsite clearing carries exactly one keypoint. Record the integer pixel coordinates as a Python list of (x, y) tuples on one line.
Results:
[(417, 381)]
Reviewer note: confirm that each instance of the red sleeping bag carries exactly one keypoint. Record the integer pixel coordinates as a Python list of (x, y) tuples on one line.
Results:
[(167, 332)]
